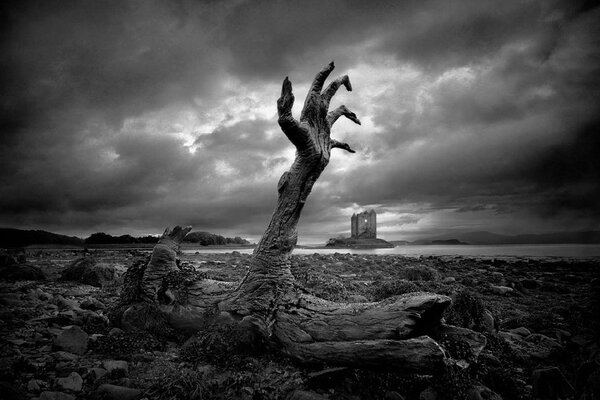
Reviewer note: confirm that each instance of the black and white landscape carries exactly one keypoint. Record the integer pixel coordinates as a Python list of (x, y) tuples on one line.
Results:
[(465, 123)]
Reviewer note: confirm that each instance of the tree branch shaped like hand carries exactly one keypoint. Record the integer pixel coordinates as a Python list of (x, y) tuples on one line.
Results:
[(312, 133)]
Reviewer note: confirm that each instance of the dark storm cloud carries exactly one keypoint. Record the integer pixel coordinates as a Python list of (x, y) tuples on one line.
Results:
[(137, 115)]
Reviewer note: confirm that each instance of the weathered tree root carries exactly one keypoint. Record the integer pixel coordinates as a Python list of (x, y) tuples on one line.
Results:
[(395, 333)]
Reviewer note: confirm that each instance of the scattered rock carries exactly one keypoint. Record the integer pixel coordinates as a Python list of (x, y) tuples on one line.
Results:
[(482, 393), (73, 382), (64, 356), (488, 324), (11, 392), (34, 385), (393, 396), (115, 332), (542, 346), (7, 259), (65, 304), (11, 299), (114, 392), (449, 280), (428, 394), (550, 383), (92, 304), (56, 396), (116, 368), (530, 283), (497, 276), (22, 272), (357, 298), (501, 290), (521, 331), (325, 377), (96, 373), (306, 395), (72, 339)]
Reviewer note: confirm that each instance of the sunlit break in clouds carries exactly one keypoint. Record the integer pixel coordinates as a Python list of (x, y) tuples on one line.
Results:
[(130, 116)]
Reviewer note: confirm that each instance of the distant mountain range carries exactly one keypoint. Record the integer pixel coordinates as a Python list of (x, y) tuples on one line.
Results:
[(482, 237), (10, 237)]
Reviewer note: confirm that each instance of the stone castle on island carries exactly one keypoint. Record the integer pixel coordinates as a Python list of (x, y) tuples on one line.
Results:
[(364, 225), (363, 228)]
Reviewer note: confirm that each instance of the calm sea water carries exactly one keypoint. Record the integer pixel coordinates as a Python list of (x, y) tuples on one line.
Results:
[(525, 250)]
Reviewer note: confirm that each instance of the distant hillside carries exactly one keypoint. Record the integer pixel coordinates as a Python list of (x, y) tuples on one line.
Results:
[(586, 237), (10, 237), (210, 239), (104, 238), (18, 238)]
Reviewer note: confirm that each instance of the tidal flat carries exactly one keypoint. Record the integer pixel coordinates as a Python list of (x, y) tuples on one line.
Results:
[(540, 318)]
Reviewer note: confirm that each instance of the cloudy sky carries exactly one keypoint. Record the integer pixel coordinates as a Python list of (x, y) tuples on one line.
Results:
[(130, 116)]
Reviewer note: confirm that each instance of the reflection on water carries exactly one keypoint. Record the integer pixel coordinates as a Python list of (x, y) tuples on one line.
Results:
[(525, 250)]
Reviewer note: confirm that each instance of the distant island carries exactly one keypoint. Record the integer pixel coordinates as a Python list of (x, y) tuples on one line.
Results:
[(363, 233), (489, 238), (10, 238), (447, 242), (354, 243)]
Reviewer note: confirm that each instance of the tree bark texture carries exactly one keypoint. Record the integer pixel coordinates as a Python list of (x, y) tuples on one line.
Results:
[(393, 332)]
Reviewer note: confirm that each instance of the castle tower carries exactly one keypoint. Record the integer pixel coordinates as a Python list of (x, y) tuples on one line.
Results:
[(364, 225)]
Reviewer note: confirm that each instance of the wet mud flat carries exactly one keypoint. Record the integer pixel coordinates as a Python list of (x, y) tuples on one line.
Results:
[(540, 318)]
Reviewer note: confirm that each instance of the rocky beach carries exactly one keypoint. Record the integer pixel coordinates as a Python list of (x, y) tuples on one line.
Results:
[(539, 316)]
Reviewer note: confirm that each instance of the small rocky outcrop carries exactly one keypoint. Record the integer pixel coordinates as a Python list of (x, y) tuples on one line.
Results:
[(13, 267), (87, 270), (72, 339)]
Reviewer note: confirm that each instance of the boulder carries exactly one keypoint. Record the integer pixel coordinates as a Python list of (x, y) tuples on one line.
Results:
[(99, 275), (86, 270), (72, 339)]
